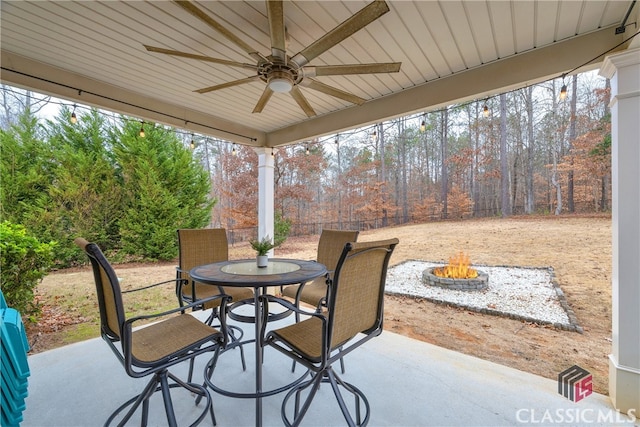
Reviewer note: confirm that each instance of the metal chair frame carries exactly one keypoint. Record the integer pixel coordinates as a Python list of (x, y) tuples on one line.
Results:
[(339, 333), (136, 356), (215, 249), (330, 246)]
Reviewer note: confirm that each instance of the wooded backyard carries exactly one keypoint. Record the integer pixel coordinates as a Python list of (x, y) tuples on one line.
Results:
[(522, 152)]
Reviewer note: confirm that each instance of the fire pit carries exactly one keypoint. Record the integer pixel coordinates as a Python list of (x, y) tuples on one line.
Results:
[(458, 275)]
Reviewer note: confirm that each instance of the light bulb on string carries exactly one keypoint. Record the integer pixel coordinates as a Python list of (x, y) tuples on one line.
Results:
[(74, 119), (485, 110), (193, 143), (423, 126), (563, 92), (233, 150), (307, 152), (142, 134)]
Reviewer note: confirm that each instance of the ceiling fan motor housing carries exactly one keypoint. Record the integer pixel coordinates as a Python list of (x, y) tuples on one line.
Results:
[(279, 77)]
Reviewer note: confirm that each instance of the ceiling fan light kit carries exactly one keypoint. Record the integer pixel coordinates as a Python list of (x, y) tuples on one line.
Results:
[(282, 73), (280, 84)]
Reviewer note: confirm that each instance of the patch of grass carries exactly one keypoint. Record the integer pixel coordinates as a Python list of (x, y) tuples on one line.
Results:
[(81, 332)]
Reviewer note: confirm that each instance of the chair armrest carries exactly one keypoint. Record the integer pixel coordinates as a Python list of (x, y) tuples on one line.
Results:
[(265, 299), (225, 301), (154, 285), (283, 302), (225, 298), (302, 285)]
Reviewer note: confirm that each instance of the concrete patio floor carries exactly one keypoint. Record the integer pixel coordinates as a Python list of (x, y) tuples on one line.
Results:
[(407, 382)]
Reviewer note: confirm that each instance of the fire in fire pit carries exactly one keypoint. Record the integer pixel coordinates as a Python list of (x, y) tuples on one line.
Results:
[(458, 275), (458, 268)]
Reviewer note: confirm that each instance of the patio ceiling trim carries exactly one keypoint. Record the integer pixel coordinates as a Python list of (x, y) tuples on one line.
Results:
[(523, 69)]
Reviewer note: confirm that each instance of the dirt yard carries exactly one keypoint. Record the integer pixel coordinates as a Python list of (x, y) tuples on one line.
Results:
[(578, 248)]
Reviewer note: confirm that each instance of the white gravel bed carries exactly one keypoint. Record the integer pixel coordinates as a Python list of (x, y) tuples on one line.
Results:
[(525, 292)]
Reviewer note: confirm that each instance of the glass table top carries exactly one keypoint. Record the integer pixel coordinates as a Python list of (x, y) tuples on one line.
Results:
[(250, 268)]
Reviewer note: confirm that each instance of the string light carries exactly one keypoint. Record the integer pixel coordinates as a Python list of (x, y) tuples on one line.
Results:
[(485, 110), (423, 126), (563, 91), (74, 119), (233, 150), (193, 143), (272, 153), (142, 134), (374, 136), (307, 152)]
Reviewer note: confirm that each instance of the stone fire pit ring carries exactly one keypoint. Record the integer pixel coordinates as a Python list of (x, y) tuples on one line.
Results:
[(476, 284)]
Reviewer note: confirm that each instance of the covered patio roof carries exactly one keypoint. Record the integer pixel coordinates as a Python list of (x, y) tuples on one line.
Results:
[(94, 53)]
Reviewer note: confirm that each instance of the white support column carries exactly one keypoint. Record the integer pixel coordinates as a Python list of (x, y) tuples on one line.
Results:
[(266, 193), (624, 361)]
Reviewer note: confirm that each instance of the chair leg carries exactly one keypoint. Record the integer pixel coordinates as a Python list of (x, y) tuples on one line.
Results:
[(336, 381), (208, 371), (201, 391), (300, 412), (236, 339), (313, 385), (166, 397), (233, 339), (160, 382), (341, 362), (142, 398), (232, 335), (190, 375)]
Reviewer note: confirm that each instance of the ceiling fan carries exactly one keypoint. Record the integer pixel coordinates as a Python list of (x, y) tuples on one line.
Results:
[(284, 73)]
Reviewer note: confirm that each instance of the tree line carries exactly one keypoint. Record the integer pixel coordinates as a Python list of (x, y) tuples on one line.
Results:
[(521, 152)]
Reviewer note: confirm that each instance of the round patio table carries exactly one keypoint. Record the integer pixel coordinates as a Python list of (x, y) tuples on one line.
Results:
[(246, 273)]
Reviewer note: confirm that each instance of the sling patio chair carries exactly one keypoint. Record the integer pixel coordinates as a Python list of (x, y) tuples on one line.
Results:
[(206, 246), (330, 247), (173, 338), (354, 315), (314, 293)]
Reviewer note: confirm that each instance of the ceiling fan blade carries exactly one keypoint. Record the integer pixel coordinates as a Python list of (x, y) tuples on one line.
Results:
[(200, 14), (302, 101), (199, 57), (229, 84), (266, 96), (330, 90), (340, 70), (275, 12), (356, 22)]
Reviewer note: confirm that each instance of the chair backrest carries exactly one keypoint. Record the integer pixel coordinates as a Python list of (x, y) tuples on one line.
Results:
[(199, 247), (330, 246), (112, 316), (356, 295)]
